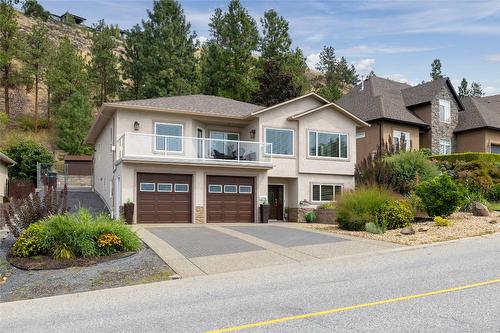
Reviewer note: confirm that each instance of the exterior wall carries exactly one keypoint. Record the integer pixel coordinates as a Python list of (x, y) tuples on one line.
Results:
[(441, 130), (425, 113), (104, 164), (3, 181), (388, 129), (479, 140), (365, 146), (492, 137)]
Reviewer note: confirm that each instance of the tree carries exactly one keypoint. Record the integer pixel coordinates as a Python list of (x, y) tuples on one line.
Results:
[(133, 63), (275, 42), (371, 74), (331, 89), (73, 119), (436, 73), (9, 50), (104, 64), (35, 58), (26, 154), (346, 73), (32, 8), (227, 57), (474, 90), (276, 85), (463, 89)]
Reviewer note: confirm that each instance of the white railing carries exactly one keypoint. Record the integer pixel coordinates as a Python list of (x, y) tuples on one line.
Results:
[(166, 147)]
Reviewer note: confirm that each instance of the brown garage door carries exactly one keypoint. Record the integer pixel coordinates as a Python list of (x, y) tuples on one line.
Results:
[(230, 199), (163, 198)]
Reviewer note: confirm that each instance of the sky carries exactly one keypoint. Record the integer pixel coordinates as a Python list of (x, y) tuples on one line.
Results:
[(395, 39)]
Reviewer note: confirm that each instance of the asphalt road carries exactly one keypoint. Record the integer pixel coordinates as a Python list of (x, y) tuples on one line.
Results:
[(246, 297)]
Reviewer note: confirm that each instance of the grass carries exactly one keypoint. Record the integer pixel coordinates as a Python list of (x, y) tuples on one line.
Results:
[(495, 206), (156, 277)]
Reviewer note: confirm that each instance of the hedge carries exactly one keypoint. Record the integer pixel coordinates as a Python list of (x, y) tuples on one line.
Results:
[(467, 157)]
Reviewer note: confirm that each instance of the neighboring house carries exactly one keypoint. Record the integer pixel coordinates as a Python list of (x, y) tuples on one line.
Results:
[(479, 126), (5, 161), (78, 165), (209, 159), (423, 116)]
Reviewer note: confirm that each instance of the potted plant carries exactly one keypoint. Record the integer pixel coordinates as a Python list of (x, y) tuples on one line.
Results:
[(128, 211), (264, 211)]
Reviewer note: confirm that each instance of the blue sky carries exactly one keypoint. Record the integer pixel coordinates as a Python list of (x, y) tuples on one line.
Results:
[(397, 39)]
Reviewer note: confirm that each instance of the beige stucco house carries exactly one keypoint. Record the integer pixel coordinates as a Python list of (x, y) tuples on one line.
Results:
[(204, 159), (5, 161)]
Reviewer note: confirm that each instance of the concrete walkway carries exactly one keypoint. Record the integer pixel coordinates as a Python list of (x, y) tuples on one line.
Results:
[(195, 250)]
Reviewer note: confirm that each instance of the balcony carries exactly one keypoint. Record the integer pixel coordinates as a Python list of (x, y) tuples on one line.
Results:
[(189, 150)]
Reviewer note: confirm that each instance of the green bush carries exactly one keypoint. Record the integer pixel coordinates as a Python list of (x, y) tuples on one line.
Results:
[(494, 193), (397, 214), (26, 153), (441, 196), (442, 222), (27, 123), (409, 168), (310, 216), (467, 157), (4, 120), (357, 208), (29, 242), (469, 198), (374, 228), (415, 202), (479, 176)]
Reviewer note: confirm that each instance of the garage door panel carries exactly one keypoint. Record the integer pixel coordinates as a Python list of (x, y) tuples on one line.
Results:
[(230, 207)]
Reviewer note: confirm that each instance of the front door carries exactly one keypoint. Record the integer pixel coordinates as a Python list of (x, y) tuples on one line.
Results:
[(275, 196)]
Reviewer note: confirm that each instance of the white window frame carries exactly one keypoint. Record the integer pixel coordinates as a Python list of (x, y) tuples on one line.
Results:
[(248, 186), (397, 134), (444, 146), (166, 150), (177, 191), (163, 191), (326, 157), (218, 185), (145, 183), (446, 115), (279, 129), (360, 135), (325, 184), (236, 189)]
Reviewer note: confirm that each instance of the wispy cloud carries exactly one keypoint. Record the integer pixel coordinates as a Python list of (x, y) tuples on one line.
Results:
[(312, 59), (364, 66), (491, 90), (494, 58), (364, 50)]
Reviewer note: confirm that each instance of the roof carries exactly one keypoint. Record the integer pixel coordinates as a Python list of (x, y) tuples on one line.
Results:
[(311, 94), (480, 112), (425, 92), (77, 158), (6, 159), (334, 106)]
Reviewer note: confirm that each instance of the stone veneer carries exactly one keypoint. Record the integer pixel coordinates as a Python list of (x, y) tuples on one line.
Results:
[(199, 214), (441, 130)]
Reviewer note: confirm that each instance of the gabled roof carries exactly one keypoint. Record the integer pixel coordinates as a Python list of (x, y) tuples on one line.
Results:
[(78, 158), (425, 92), (6, 159), (311, 94), (480, 112), (335, 107)]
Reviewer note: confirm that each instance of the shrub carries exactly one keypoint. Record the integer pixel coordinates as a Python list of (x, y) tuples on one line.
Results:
[(477, 176), (374, 228), (442, 222), (357, 208), (109, 242), (415, 202), (374, 170), (27, 123), (29, 242), (468, 157), (494, 193), (310, 216), (441, 196), (409, 168), (4, 120), (63, 251), (397, 214), (469, 198), (328, 205), (26, 154)]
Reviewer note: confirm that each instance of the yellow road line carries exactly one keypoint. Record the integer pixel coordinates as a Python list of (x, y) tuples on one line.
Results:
[(353, 307)]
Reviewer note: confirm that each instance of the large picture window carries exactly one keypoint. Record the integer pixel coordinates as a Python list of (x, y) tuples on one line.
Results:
[(326, 192), (281, 141), (402, 140), (168, 137), (323, 144)]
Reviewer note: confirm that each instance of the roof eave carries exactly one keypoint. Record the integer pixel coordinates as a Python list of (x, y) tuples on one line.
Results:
[(7, 159), (313, 94), (477, 128)]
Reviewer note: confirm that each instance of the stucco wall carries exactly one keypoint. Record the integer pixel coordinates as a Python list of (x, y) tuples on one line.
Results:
[(365, 146), (492, 137), (388, 129), (104, 164), (3, 181), (425, 113), (479, 140)]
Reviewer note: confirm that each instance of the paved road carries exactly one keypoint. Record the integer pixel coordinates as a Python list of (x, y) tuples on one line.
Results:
[(232, 299)]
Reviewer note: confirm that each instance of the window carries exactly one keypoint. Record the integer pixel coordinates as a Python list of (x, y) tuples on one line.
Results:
[(444, 147), (495, 149), (325, 192), (281, 141), (230, 189), (164, 187), (181, 188), (166, 137), (444, 111), (214, 188), (219, 142), (147, 187), (360, 135), (402, 140), (323, 144), (246, 189)]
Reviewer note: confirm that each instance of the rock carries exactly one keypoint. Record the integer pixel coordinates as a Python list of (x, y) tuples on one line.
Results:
[(478, 209), (407, 231), (493, 222), (423, 228)]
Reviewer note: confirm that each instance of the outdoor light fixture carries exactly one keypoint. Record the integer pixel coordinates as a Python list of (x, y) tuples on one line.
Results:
[(252, 134), (136, 126)]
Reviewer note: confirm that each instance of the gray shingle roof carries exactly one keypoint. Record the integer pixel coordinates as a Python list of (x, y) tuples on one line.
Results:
[(479, 112), (425, 92), (203, 104)]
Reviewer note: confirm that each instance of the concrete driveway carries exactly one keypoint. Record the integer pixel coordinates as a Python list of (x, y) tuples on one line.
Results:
[(194, 250)]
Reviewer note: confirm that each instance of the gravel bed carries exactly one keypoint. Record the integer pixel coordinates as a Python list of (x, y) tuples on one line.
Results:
[(142, 267), (464, 225)]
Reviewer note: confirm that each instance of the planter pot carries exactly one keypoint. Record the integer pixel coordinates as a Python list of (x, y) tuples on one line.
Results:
[(264, 213), (128, 212), (326, 216)]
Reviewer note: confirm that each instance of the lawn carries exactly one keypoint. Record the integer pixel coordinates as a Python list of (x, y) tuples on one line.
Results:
[(495, 206)]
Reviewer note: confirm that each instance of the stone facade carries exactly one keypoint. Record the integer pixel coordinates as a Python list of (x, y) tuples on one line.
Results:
[(293, 214), (441, 130), (199, 214)]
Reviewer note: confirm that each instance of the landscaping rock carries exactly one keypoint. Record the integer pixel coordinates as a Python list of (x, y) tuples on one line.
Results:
[(407, 231), (493, 222), (478, 209), (423, 229)]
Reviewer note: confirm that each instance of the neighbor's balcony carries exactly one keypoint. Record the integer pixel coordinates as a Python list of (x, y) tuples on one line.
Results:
[(180, 149)]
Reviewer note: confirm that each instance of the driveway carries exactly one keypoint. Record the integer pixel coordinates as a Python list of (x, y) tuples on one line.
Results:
[(193, 250)]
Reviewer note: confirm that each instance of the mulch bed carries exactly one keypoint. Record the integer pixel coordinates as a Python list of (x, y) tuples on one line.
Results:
[(47, 262)]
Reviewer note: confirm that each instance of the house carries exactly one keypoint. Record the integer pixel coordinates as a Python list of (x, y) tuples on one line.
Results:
[(78, 165), (479, 127), (422, 116), (68, 17), (5, 161), (207, 159)]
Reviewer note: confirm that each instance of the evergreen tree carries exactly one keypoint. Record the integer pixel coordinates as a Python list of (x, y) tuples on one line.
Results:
[(331, 89), (35, 58), (73, 119), (346, 73), (132, 64), (32, 8), (104, 63), (436, 73), (476, 89), (10, 40), (276, 42), (276, 85), (463, 89), (371, 74), (227, 67)]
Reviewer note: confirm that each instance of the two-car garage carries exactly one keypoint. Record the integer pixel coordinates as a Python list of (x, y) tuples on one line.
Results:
[(168, 198)]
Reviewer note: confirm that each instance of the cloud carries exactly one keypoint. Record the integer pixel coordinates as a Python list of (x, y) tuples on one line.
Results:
[(399, 78), (201, 39), (312, 59), (364, 50), (494, 58), (364, 66), (490, 90)]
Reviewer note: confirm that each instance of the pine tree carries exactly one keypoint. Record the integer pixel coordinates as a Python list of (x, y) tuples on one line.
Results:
[(227, 66), (436, 73), (36, 59), (104, 64), (463, 89), (10, 40), (327, 65), (476, 89), (276, 85), (132, 64), (275, 42), (371, 74)]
